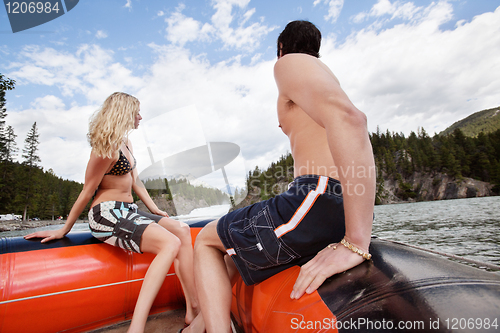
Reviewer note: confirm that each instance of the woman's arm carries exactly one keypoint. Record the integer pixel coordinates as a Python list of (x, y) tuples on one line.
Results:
[(96, 168), (142, 192)]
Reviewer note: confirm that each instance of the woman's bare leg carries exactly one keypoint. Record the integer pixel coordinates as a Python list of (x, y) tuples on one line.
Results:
[(213, 282), (184, 267), (165, 246)]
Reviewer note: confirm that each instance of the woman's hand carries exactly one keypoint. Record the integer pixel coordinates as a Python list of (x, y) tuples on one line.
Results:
[(159, 212), (47, 235)]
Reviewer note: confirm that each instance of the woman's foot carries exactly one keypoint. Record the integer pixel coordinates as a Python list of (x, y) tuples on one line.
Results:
[(196, 326), (191, 313)]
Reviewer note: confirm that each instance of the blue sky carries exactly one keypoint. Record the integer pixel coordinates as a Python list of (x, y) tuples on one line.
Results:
[(203, 71)]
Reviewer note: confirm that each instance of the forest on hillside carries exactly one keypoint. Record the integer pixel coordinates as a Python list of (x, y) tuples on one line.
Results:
[(486, 121), (41, 194), (398, 157)]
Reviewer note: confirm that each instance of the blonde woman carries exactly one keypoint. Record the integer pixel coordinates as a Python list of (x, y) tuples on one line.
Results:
[(110, 177)]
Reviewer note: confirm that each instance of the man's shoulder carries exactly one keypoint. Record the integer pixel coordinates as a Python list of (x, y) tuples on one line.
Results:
[(296, 58), (294, 63)]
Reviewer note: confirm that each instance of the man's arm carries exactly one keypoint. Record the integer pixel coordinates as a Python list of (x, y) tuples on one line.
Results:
[(312, 87)]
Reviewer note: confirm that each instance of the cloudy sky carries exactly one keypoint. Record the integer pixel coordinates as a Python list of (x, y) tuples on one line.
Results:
[(203, 71)]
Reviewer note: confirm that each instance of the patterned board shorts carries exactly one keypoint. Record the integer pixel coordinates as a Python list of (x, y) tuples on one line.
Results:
[(120, 224), (290, 229)]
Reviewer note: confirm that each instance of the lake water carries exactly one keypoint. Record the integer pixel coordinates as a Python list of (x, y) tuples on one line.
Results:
[(463, 227)]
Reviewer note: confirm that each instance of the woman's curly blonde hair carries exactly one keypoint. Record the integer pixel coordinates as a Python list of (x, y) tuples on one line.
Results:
[(111, 123)]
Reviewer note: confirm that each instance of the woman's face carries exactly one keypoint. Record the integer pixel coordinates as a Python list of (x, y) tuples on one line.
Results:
[(137, 119)]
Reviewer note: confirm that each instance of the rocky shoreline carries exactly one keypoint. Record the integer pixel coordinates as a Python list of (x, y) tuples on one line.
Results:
[(415, 188), (23, 225), (430, 187)]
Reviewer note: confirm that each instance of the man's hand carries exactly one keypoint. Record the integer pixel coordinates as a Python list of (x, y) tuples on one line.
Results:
[(47, 235), (326, 263)]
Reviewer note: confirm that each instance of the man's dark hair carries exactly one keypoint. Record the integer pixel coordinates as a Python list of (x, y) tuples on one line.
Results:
[(300, 37)]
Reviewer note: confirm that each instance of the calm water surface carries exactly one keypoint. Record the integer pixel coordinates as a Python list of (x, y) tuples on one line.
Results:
[(463, 227)]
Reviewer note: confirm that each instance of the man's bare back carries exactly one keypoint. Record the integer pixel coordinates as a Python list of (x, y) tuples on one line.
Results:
[(308, 140)]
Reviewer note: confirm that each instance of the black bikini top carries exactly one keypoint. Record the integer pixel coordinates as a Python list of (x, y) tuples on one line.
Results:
[(122, 166)]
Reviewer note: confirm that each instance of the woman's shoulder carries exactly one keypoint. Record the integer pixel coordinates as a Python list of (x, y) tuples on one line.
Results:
[(100, 158)]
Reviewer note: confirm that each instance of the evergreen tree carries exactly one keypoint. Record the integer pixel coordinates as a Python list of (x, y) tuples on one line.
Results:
[(31, 147), (5, 84), (31, 160), (3, 114), (10, 145), (7, 167)]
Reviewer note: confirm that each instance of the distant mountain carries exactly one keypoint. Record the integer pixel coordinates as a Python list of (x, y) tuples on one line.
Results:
[(485, 121)]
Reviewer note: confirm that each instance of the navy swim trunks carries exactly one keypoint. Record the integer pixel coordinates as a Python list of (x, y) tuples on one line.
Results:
[(120, 224), (268, 237)]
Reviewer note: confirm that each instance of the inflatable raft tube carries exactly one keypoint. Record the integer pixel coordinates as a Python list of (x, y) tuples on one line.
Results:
[(78, 284), (401, 289)]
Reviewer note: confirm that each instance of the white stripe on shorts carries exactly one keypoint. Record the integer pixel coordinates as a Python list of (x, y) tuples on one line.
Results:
[(306, 205)]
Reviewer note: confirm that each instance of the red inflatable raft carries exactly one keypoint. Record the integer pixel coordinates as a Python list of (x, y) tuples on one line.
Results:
[(78, 284)]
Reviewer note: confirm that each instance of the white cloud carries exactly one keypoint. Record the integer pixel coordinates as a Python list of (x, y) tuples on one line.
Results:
[(101, 34), (248, 14), (224, 11), (182, 29), (396, 10), (241, 37), (90, 71), (62, 134), (334, 9), (383, 7), (235, 103), (48, 102), (416, 75), (128, 5)]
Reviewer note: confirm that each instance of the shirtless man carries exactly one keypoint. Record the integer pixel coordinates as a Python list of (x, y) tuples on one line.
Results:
[(329, 141)]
